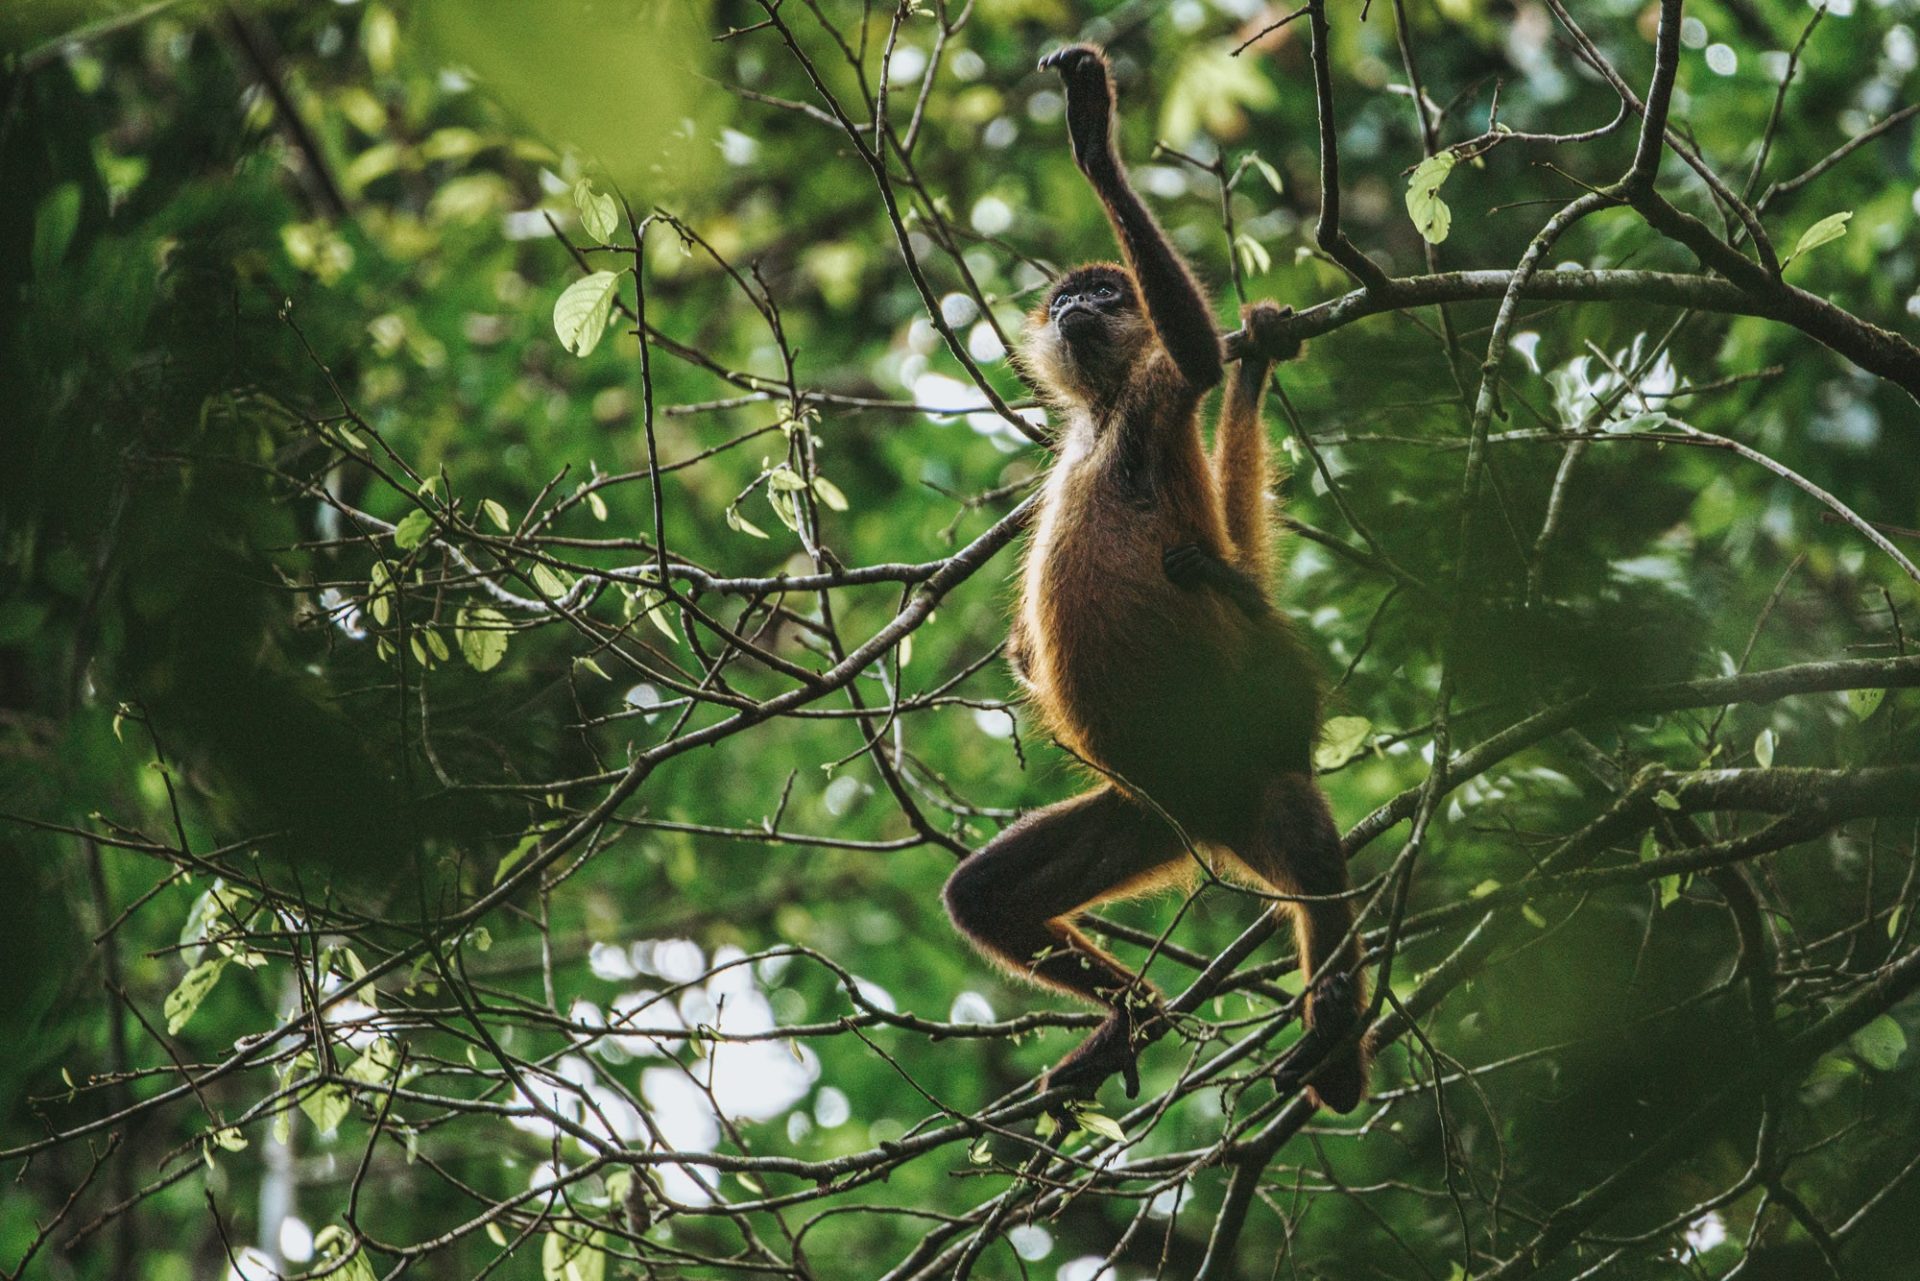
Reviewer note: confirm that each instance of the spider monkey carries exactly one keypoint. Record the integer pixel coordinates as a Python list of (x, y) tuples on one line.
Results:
[(1145, 641)]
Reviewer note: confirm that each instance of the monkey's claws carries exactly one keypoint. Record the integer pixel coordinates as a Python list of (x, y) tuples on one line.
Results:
[(1074, 60)]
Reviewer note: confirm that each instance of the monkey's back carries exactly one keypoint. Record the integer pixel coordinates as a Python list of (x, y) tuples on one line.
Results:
[(1174, 693)]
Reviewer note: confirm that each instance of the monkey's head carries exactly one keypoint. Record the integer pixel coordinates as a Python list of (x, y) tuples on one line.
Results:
[(1086, 336)]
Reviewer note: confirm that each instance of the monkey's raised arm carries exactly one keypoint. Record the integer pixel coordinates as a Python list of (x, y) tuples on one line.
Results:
[(1174, 303)]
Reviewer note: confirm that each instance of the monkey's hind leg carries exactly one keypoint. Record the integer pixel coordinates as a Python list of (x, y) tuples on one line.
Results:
[(1295, 848), (1015, 899)]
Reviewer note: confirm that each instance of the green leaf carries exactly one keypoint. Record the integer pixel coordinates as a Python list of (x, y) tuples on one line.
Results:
[(784, 507), (597, 505), (980, 1152), (1865, 702), (1483, 889), (736, 521), (599, 216), (1267, 171), (654, 604), (1666, 800), (228, 1138), (1101, 1124), (1254, 258), (829, 493), (1829, 228), (482, 636), (1430, 214), (551, 582), (497, 513), (326, 1106), (184, 1000), (53, 226), (333, 1243), (518, 852), (567, 1258), (1341, 739), (1880, 1043), (580, 313), (1210, 92), (412, 530), (1893, 920), (1669, 889), (1763, 745), (1047, 1125), (1533, 917), (376, 1065)]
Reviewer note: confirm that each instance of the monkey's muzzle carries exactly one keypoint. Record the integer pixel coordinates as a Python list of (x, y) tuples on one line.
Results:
[(1077, 322)]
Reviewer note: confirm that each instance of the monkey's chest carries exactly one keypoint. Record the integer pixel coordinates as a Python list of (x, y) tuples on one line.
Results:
[(1115, 650)]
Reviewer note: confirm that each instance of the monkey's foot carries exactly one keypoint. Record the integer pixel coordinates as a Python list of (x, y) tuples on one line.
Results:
[(1108, 1051), (1262, 321), (1339, 1071)]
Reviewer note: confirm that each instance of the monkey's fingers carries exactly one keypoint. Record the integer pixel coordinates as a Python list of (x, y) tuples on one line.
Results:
[(1185, 564), (1074, 59)]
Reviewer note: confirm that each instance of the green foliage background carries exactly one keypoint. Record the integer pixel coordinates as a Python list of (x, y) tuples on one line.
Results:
[(183, 303)]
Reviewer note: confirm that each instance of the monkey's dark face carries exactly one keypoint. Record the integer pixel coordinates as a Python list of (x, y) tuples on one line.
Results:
[(1085, 304), (1085, 338)]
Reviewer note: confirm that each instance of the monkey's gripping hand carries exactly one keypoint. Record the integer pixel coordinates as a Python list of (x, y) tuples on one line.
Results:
[(1193, 567), (1083, 68)]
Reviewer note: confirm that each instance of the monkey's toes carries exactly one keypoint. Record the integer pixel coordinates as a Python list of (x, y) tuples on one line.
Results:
[(1262, 318)]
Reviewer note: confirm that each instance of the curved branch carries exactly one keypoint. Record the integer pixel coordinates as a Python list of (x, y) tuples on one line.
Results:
[(1876, 350)]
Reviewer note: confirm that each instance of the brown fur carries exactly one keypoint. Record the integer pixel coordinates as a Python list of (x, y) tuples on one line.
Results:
[(1191, 709)]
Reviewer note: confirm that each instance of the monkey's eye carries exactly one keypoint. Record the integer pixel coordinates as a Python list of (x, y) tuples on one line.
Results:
[(1105, 291)]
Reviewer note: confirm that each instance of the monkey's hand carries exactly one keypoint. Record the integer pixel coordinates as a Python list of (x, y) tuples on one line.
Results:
[(1083, 69), (1193, 567)]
